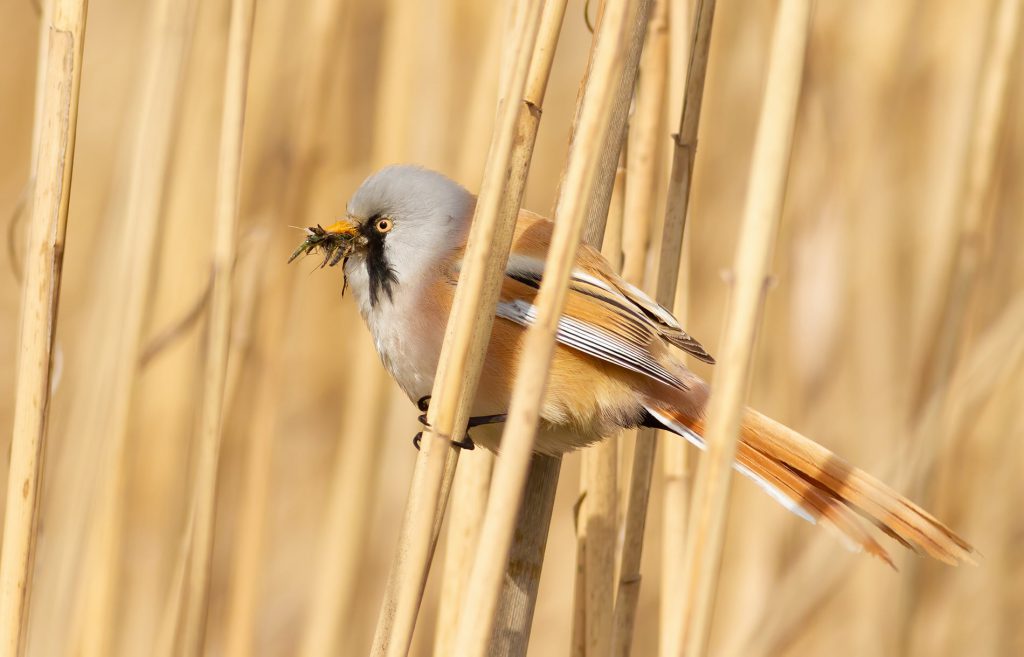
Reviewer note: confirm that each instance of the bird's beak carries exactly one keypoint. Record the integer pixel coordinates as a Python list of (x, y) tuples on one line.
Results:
[(343, 227)]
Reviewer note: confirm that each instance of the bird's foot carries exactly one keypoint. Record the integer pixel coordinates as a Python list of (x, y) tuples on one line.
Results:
[(466, 443)]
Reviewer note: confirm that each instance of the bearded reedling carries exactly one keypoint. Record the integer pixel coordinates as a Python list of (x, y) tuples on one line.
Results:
[(401, 246)]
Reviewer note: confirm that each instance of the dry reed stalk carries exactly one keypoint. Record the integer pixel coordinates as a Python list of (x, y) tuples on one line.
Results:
[(511, 470), (638, 15), (472, 482), (611, 247), (599, 508), (598, 517), (514, 616), (642, 162), (668, 276), (150, 154), (246, 579), (646, 134), (466, 336), (347, 515), (40, 296), (769, 167), (578, 640), (473, 479), (954, 283), (219, 338)]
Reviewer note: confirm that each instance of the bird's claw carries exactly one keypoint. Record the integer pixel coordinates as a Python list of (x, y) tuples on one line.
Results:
[(466, 443)]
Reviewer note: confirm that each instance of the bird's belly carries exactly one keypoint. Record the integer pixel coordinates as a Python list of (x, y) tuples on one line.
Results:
[(408, 348)]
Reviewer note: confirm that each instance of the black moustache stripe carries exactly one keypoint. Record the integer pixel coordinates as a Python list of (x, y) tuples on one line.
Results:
[(378, 269)]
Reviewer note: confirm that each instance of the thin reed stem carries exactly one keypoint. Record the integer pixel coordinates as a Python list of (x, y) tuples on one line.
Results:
[(219, 339), (347, 513), (768, 175), (511, 470), (668, 275), (466, 335), (57, 121), (954, 284)]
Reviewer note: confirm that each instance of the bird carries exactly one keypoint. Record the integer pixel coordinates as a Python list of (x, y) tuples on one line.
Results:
[(616, 365)]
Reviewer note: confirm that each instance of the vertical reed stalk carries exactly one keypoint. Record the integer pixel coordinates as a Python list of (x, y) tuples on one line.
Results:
[(472, 483), (598, 516), (51, 194), (642, 158), (768, 174), (668, 276), (473, 480), (347, 514), (955, 282), (246, 577), (514, 616), (466, 337), (150, 154), (219, 339), (511, 469), (599, 487), (638, 15)]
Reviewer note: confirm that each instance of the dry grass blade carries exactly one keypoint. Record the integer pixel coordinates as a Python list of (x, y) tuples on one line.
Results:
[(464, 346), (57, 121), (225, 239), (769, 168), (510, 473)]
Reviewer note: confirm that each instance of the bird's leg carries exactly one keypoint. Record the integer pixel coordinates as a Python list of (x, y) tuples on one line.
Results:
[(466, 443), (481, 420)]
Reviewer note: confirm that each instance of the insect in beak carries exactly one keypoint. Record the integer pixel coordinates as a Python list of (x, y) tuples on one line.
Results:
[(336, 242)]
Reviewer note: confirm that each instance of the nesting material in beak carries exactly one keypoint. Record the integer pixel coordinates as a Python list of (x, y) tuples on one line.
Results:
[(335, 242)]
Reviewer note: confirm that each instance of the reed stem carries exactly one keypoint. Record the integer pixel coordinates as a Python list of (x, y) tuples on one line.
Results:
[(511, 470), (467, 333), (219, 339), (768, 174), (57, 121)]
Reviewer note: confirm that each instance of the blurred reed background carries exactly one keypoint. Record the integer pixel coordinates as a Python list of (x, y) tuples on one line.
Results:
[(893, 333)]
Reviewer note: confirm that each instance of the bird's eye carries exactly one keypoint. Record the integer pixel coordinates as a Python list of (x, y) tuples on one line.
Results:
[(384, 225)]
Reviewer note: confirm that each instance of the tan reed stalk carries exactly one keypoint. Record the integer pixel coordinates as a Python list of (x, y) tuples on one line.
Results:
[(472, 480), (636, 21), (465, 340), (769, 167), (472, 483), (578, 640), (954, 283), (169, 29), (599, 508), (598, 516), (219, 339), (668, 276), (342, 549), (646, 134), (592, 610), (40, 295), (511, 470), (611, 247), (518, 598), (643, 163), (246, 577)]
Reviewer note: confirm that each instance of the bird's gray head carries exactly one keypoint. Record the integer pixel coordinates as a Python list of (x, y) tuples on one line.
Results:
[(404, 220)]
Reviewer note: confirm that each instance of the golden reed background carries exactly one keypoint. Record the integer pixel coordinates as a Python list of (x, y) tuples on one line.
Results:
[(848, 353)]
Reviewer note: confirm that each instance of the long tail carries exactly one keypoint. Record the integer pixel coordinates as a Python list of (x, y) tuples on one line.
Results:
[(822, 488)]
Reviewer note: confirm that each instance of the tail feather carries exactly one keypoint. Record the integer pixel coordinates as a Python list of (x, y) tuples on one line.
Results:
[(828, 489)]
